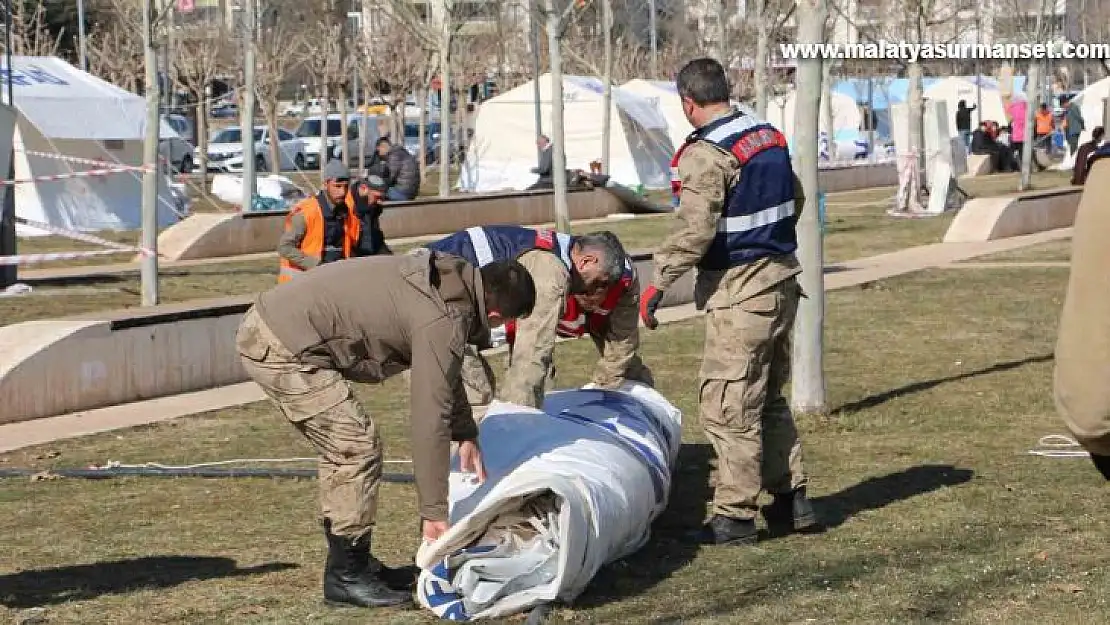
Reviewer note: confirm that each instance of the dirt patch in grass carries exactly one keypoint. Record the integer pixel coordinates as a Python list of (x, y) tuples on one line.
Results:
[(937, 388), (1054, 251)]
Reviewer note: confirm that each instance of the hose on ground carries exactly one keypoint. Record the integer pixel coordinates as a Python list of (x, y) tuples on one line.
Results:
[(206, 472)]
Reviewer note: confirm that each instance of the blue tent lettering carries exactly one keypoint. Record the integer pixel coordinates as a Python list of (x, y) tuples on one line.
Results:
[(31, 76)]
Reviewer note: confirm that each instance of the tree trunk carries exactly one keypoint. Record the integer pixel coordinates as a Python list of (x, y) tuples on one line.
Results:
[(270, 107), (1032, 85), (445, 110), (325, 109), (826, 122), (422, 131), (761, 75), (202, 139), (607, 79), (808, 375), (343, 125), (917, 123), (558, 155)]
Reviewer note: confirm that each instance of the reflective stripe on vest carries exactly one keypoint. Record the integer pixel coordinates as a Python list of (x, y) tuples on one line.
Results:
[(757, 219), (480, 242)]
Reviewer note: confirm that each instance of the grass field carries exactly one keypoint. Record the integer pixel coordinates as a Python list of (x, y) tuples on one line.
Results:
[(936, 388)]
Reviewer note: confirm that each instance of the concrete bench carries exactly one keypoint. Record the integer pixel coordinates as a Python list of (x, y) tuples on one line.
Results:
[(59, 366), (990, 218), (854, 177), (213, 235)]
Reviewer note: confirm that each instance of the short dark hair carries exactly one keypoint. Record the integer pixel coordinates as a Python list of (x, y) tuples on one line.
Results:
[(383, 141), (608, 246), (509, 289), (704, 81), (1097, 133)]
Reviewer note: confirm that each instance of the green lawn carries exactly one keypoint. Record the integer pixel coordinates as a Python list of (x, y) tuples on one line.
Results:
[(937, 386)]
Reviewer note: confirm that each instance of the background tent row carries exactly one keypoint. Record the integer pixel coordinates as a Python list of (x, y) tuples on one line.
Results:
[(66, 111)]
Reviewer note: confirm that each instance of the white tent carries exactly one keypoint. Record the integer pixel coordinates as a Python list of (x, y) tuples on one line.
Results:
[(665, 94), (503, 150), (1091, 103), (846, 116), (953, 89), (68, 112)]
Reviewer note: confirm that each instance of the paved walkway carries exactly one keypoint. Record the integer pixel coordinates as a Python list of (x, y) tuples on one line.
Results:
[(838, 276)]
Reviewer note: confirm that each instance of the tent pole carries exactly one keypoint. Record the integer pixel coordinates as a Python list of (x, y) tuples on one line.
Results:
[(9, 273)]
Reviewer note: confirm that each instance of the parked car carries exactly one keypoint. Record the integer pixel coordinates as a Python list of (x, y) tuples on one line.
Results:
[(175, 147), (432, 140), (309, 132), (225, 150), (224, 111)]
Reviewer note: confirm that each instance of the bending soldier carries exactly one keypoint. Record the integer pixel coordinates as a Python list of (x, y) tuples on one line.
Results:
[(365, 320), (583, 284)]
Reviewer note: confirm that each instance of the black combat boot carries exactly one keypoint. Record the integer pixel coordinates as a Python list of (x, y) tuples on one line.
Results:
[(350, 579), (1102, 463), (722, 530), (791, 512), (400, 578)]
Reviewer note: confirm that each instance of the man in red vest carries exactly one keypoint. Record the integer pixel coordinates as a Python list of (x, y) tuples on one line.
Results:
[(584, 284)]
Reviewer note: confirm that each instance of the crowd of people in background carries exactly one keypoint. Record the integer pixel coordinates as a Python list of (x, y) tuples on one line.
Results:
[(1004, 144)]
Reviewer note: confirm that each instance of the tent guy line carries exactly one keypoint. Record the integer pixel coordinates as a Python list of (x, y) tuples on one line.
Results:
[(88, 173)]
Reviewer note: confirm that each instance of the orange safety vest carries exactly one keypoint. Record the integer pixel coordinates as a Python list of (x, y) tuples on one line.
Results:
[(1044, 123), (313, 242), (575, 322)]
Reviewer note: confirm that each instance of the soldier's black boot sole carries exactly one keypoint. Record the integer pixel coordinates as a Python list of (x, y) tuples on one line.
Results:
[(722, 530)]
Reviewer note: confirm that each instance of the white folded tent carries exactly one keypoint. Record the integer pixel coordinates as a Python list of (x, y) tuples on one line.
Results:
[(568, 490), (68, 112), (503, 151)]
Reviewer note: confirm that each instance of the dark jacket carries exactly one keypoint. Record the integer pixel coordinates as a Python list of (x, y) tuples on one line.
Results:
[(372, 318), (545, 165), (371, 240), (963, 118), (404, 171)]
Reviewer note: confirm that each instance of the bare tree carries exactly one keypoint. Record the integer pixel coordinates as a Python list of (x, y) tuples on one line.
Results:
[(277, 48), (397, 64), (769, 17), (116, 45), (30, 36), (198, 60), (324, 60)]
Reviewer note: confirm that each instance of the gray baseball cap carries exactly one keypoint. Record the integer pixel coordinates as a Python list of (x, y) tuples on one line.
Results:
[(336, 170)]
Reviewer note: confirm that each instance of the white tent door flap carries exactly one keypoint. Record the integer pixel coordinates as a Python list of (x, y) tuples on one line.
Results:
[(568, 490)]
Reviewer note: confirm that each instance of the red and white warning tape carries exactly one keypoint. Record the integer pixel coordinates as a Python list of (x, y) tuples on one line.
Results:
[(79, 160), (77, 174), (35, 259), (32, 259)]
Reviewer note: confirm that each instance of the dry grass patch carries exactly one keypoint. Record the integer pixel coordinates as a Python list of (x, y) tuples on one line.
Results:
[(938, 386), (1053, 251)]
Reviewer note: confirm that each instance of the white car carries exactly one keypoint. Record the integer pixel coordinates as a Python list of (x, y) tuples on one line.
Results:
[(174, 146), (225, 150), (309, 132)]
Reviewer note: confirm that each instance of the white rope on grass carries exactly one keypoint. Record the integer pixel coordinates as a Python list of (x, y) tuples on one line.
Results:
[(1058, 446), (115, 464)]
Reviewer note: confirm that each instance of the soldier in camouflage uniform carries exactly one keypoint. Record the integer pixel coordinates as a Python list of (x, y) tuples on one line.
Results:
[(738, 203), (584, 284)]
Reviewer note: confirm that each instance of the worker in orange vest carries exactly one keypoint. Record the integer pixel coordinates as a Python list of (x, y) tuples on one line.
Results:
[(1044, 122), (328, 226)]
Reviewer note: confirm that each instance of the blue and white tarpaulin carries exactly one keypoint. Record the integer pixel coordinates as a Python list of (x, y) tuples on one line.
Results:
[(568, 490)]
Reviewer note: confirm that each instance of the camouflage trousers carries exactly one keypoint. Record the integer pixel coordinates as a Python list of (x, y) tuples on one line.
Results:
[(319, 403), (745, 366)]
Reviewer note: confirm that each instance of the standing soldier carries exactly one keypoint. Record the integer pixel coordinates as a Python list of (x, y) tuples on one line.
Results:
[(739, 202), (366, 320)]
